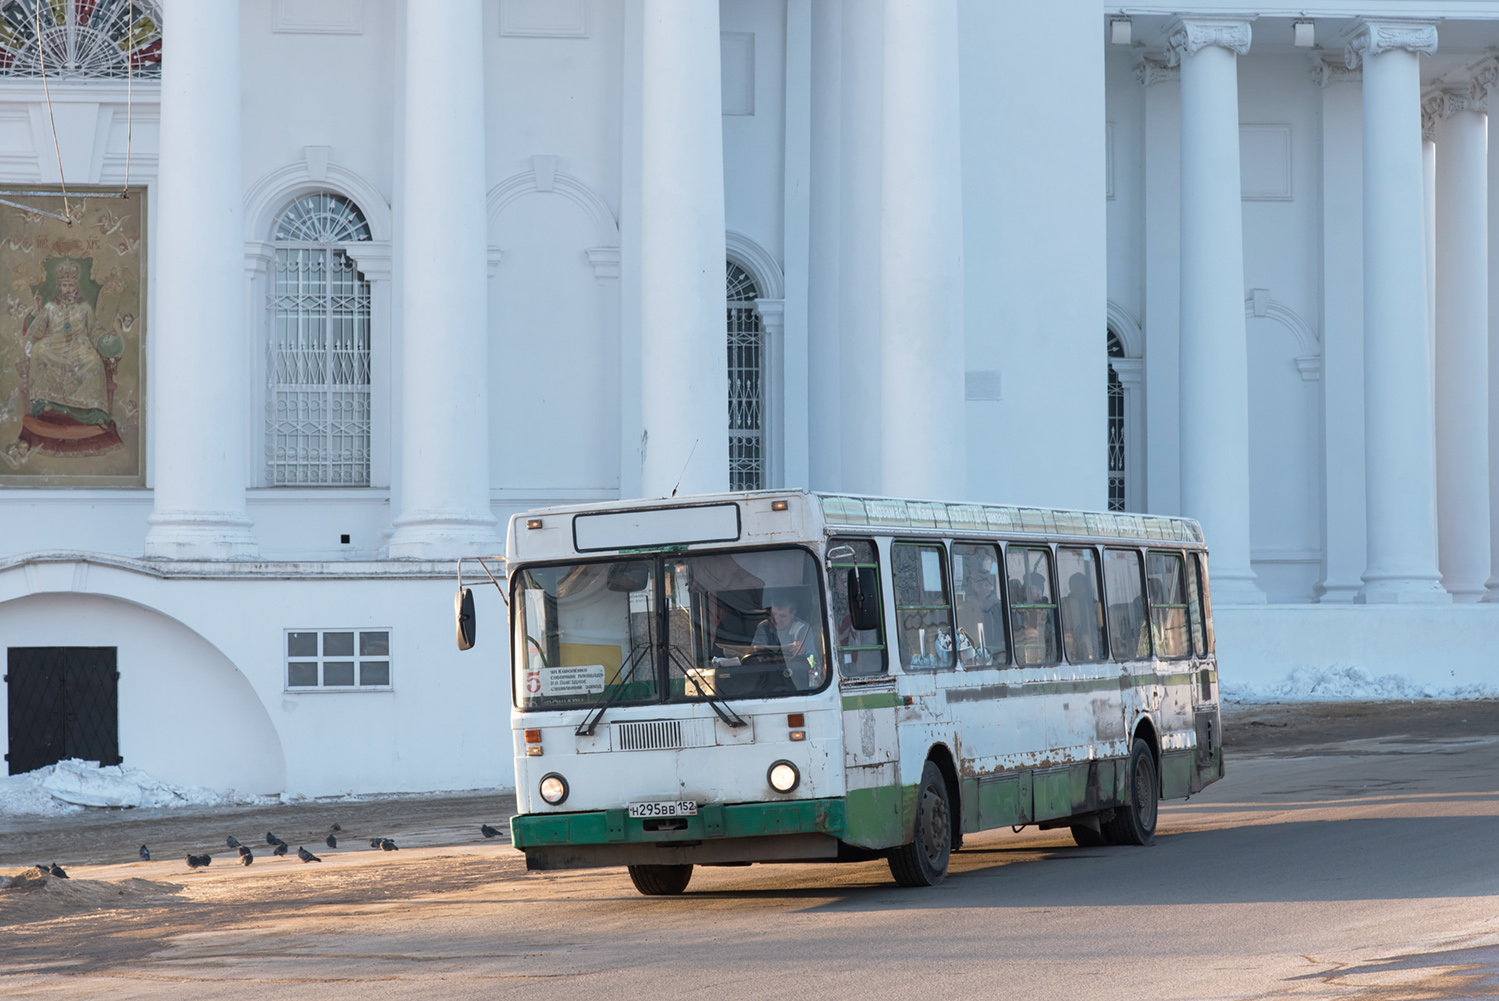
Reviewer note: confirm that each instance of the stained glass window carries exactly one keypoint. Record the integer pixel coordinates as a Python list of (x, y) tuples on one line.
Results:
[(80, 39), (318, 419)]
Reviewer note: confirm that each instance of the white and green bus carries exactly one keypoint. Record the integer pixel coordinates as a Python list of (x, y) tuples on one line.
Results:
[(781, 676)]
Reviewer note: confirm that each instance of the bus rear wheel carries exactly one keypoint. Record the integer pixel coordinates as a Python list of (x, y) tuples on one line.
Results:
[(923, 862), (1134, 821), (660, 880)]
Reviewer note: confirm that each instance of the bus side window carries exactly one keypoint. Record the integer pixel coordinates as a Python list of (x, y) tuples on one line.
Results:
[(1124, 584), (1033, 613), (923, 607), (1166, 585), (979, 605), (861, 652), (1202, 602), (1083, 638)]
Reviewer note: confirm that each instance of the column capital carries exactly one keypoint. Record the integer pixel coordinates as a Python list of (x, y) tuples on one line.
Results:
[(1371, 37), (1485, 80), (1325, 72), (1190, 35), (1431, 111), (1455, 101), (772, 314), (1153, 71)]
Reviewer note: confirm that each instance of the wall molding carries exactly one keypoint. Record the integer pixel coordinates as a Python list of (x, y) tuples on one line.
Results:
[(1127, 329), (544, 178), (269, 197), (755, 259), (1259, 304)]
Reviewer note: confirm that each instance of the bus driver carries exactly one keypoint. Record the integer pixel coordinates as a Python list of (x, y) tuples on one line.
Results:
[(785, 633)]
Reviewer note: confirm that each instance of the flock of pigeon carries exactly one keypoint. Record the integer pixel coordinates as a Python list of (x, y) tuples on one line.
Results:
[(247, 857)]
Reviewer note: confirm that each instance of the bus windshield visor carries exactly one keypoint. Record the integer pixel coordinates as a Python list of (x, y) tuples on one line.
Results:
[(668, 629)]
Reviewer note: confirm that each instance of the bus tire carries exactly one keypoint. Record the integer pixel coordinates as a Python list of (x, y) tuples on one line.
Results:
[(660, 880), (923, 862), (1134, 821)]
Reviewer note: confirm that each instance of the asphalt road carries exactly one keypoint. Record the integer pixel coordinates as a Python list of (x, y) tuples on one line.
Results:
[(1362, 868)]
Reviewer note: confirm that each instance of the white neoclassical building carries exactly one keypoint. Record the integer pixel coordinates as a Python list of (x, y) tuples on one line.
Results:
[(337, 286)]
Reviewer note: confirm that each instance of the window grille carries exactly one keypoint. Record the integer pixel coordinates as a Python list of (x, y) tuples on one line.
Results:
[(746, 382), (322, 659), (80, 39), (318, 420), (1116, 429)]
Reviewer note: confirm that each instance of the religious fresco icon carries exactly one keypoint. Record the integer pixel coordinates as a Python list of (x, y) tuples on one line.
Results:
[(72, 342)]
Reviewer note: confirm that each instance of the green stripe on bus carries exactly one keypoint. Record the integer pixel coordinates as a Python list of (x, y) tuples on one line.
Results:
[(874, 700), (713, 820)]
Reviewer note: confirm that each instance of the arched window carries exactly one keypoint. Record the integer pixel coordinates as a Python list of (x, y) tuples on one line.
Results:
[(1116, 429), (318, 420), (746, 340), (80, 38)]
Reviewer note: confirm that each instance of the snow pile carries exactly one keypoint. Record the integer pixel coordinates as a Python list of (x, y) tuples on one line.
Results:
[(71, 785), (1306, 684)]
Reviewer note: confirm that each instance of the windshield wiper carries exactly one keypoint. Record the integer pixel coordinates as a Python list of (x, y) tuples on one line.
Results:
[(596, 711), (715, 701)]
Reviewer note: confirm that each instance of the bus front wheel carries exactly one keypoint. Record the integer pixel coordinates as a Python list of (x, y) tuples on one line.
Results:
[(923, 862), (1134, 821), (660, 880)]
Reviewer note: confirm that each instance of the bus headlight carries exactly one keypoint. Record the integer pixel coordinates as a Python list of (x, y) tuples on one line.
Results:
[(783, 776), (553, 788)]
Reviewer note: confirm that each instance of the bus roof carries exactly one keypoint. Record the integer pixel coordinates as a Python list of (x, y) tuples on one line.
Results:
[(559, 528)]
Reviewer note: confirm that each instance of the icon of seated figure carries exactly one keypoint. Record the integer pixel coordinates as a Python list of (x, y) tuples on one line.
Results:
[(70, 365)]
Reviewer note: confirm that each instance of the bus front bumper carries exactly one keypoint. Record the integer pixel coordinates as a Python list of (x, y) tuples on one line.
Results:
[(718, 834)]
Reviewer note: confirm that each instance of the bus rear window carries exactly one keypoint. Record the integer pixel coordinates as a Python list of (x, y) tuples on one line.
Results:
[(1167, 586)]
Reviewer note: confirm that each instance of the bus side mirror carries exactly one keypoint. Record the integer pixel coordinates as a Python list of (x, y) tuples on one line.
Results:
[(463, 612), (863, 598)]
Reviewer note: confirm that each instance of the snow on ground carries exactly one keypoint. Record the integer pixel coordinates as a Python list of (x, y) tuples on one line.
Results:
[(70, 786), (1347, 682)]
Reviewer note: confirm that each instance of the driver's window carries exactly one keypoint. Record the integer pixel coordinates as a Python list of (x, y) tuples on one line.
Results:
[(854, 563), (923, 606)]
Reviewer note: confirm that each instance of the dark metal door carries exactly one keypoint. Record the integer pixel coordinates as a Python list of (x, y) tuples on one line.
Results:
[(63, 703)]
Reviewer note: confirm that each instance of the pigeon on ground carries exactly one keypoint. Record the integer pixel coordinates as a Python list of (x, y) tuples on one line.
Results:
[(331, 841), (195, 861), (145, 854), (232, 841), (280, 848), (375, 842), (272, 840), (245, 857), (487, 831), (388, 845), (56, 870), (307, 856), (334, 827)]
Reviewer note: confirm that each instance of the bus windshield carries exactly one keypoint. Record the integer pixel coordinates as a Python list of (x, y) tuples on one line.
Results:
[(668, 628)]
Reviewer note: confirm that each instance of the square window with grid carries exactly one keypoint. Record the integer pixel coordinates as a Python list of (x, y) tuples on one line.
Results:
[(337, 660)]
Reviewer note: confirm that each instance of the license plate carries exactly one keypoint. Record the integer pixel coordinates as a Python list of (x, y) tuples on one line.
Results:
[(679, 808)]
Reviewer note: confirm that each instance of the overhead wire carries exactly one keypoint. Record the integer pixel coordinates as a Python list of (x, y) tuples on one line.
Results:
[(41, 54)]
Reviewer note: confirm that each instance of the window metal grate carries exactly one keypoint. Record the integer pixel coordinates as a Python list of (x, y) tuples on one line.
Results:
[(318, 425), (1116, 429), (80, 39), (746, 358)]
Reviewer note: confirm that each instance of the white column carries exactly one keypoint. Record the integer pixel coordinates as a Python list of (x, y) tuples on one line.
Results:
[(824, 398), (1344, 532), (684, 377), (1214, 354), (921, 255), (1399, 423), (1162, 151), (1131, 375), (792, 465), (1462, 304), (444, 266), (859, 241), (777, 361), (199, 399), (1487, 77)]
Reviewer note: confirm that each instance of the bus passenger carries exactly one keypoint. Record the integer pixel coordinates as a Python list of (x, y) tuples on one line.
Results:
[(981, 618)]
